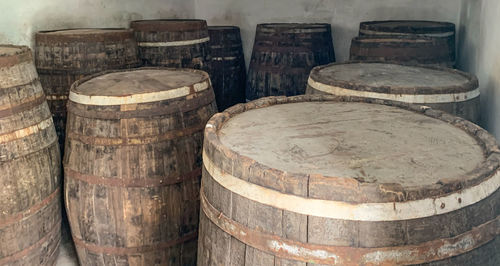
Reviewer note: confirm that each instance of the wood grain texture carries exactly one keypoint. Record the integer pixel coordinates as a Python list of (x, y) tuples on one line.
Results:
[(30, 205), (236, 230), (136, 203), (283, 55)]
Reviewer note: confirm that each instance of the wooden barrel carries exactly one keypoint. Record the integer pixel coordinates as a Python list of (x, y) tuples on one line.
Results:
[(228, 65), (443, 31), (445, 89), (284, 54), (179, 43), (64, 56), (339, 180), (30, 165), (406, 49), (133, 165)]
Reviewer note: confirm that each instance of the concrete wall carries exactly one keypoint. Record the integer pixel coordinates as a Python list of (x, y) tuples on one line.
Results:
[(480, 54), (344, 15), (19, 19)]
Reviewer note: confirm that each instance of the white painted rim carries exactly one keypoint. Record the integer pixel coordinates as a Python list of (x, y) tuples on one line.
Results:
[(22, 133), (137, 98), (389, 211), (443, 34), (407, 98), (177, 43)]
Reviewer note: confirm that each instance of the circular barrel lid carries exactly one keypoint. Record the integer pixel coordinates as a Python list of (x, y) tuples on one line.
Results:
[(136, 86), (84, 35), (405, 27), (169, 25)]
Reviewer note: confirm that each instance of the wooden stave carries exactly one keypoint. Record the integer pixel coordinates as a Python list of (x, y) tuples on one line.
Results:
[(197, 103), (215, 243), (31, 155)]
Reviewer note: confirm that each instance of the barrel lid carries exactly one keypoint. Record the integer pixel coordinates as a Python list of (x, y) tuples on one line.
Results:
[(140, 85), (223, 28), (405, 27), (83, 35), (293, 27), (391, 78), (11, 55), (169, 25)]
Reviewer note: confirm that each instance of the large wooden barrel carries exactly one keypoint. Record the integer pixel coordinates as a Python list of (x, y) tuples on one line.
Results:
[(179, 43), (133, 165), (30, 165), (450, 90), (439, 31), (347, 181), (64, 56), (228, 65), (407, 49), (284, 54)]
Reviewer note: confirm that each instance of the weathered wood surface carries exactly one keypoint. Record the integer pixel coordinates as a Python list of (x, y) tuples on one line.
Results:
[(133, 165), (439, 31), (277, 197), (179, 43), (30, 170), (228, 65), (449, 90), (284, 54), (64, 56)]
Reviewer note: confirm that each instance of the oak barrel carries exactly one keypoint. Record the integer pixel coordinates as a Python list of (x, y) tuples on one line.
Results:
[(228, 65), (284, 54), (446, 89), (439, 31), (132, 165), (339, 180), (30, 165), (179, 43), (64, 56)]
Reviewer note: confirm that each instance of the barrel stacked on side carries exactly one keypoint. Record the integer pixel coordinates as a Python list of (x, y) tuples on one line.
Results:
[(408, 41), (133, 165), (30, 171), (228, 65), (284, 54), (64, 56)]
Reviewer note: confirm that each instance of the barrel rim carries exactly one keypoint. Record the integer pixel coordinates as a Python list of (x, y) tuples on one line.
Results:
[(98, 35), (223, 28), (23, 55), (293, 25), (389, 38), (434, 26), (173, 25), (472, 83), (485, 171)]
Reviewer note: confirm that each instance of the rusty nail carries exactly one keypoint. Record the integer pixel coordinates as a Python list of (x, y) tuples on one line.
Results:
[(442, 205)]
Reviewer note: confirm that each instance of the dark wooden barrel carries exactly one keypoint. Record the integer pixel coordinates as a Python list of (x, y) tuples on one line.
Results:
[(228, 65), (339, 180), (30, 165), (442, 31), (64, 56), (132, 165), (284, 54), (407, 49), (446, 89), (179, 43)]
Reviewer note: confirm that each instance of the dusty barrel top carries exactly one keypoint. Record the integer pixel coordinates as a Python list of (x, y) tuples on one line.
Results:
[(83, 35), (140, 85), (399, 27), (11, 55)]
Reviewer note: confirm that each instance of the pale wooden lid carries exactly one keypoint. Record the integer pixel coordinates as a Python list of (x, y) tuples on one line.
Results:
[(368, 142), (10, 50), (83, 31)]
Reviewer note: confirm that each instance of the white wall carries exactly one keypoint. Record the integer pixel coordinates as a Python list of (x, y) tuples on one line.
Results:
[(480, 54), (344, 15), (20, 19)]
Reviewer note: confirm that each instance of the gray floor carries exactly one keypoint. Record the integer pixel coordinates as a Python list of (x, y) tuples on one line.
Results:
[(67, 253)]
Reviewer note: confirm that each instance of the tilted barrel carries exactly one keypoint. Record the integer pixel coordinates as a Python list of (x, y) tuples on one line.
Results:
[(339, 180), (179, 43), (132, 165), (284, 54), (228, 65), (449, 90), (30, 165), (64, 56)]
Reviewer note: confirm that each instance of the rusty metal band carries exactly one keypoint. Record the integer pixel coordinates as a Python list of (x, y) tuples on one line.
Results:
[(204, 98), (15, 135), (79, 73), (153, 181), (279, 69), (29, 212), (132, 250), (341, 255), (104, 141), (17, 256), (27, 104)]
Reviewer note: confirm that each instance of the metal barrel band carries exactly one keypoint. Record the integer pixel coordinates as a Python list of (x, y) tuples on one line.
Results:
[(29, 212), (278, 69), (341, 255), (132, 183), (132, 250), (26, 105), (104, 141), (173, 43), (27, 131), (23, 253)]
